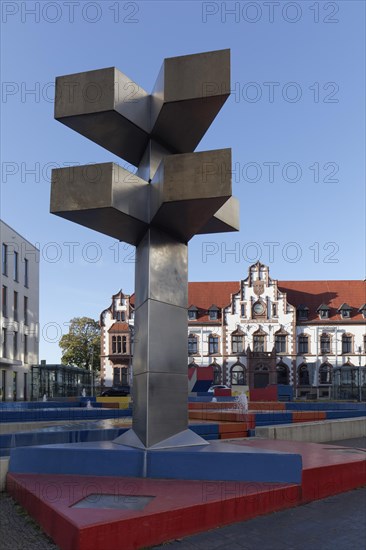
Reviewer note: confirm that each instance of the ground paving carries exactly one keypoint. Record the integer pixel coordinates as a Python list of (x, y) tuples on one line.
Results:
[(334, 523)]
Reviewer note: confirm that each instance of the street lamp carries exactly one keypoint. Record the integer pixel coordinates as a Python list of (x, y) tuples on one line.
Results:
[(359, 375), (91, 371)]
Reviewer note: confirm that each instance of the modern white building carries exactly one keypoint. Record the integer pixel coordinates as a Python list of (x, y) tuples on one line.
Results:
[(310, 335), (19, 314)]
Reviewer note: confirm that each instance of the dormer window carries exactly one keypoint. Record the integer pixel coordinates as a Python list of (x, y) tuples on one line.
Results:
[(323, 311), (345, 311), (192, 313), (302, 312), (213, 313), (363, 310)]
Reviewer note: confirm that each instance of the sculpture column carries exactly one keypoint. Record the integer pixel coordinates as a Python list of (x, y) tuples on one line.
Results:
[(174, 195), (160, 359)]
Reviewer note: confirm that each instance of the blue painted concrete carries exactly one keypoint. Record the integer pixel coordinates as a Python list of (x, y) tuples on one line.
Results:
[(205, 397), (203, 429), (29, 439), (300, 406), (67, 414), (225, 462), (100, 458), (24, 405), (272, 418), (216, 461), (344, 414), (83, 432), (285, 393)]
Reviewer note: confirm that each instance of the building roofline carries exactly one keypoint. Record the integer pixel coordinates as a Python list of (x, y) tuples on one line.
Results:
[(19, 235)]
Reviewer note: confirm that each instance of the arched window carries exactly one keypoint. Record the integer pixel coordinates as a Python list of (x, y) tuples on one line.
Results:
[(325, 373), (324, 343), (282, 374), (238, 375), (216, 373), (303, 372), (213, 344), (192, 344), (347, 343)]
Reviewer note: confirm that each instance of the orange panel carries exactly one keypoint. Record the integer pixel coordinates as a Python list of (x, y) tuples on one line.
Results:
[(226, 427), (308, 416), (267, 406)]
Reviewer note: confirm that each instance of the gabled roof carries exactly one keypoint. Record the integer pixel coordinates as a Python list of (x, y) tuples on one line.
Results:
[(344, 307), (323, 307)]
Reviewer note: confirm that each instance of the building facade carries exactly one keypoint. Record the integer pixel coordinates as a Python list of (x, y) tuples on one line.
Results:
[(260, 331), (116, 324), (19, 314)]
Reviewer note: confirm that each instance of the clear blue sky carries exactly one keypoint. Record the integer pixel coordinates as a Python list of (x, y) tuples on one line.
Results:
[(310, 122)]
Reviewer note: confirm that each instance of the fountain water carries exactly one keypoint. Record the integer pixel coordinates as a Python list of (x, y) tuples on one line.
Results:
[(242, 403), (44, 397)]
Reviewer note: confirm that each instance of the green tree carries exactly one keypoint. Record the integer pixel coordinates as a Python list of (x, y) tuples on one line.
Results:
[(81, 346)]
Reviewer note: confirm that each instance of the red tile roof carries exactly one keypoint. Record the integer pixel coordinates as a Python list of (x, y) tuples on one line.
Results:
[(203, 295), (119, 326), (309, 293), (331, 293)]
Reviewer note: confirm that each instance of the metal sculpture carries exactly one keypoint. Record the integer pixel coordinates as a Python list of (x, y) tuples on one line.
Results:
[(174, 195)]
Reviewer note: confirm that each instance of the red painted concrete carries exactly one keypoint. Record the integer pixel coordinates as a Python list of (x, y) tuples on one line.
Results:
[(221, 392), (179, 508), (224, 416), (327, 469), (267, 406), (253, 406), (264, 394)]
